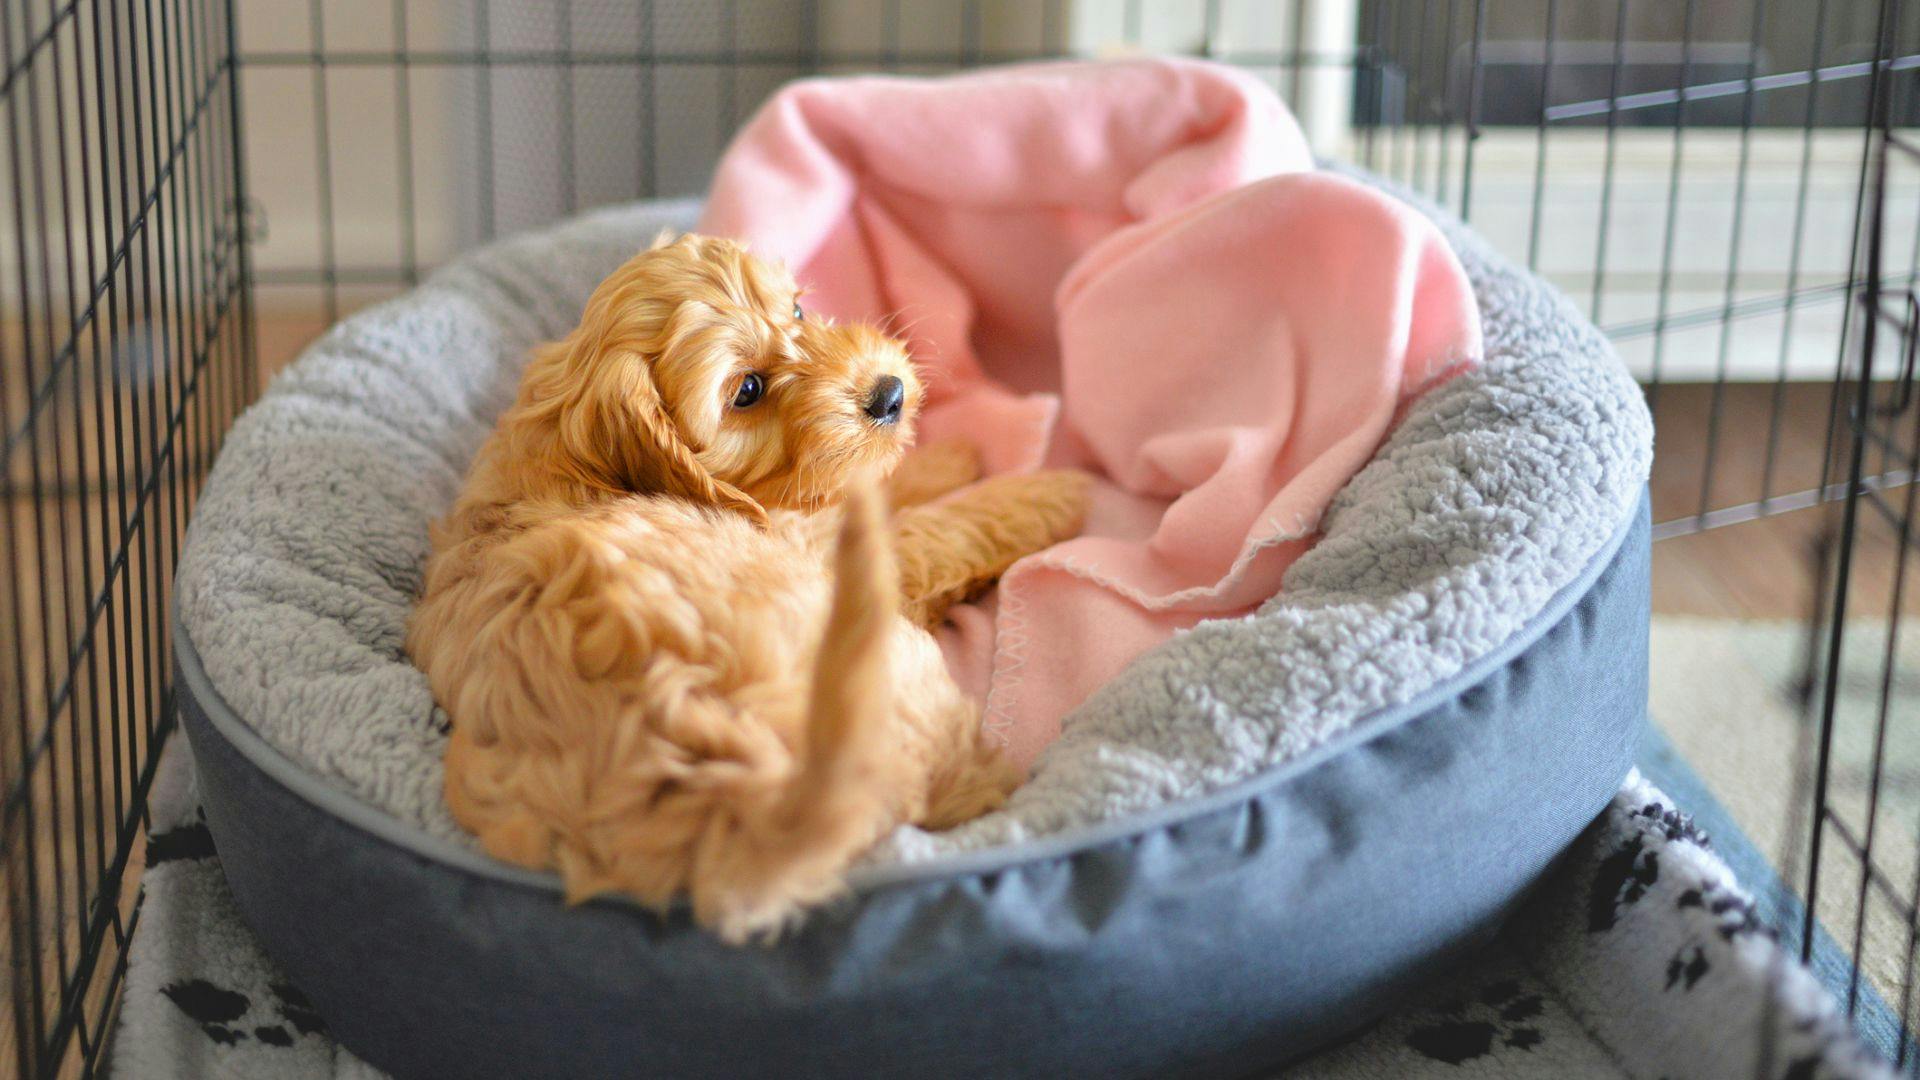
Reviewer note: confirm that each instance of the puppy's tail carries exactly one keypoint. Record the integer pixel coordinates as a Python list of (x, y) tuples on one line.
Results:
[(838, 801)]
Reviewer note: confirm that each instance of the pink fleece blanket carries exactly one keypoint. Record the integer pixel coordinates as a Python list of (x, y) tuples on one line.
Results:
[(1127, 267)]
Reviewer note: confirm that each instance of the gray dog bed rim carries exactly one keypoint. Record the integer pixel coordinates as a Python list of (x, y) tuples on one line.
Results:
[(430, 960), (329, 799)]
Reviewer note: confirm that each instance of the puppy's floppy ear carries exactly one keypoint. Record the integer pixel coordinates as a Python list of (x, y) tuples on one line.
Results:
[(660, 460), (617, 433), (614, 432)]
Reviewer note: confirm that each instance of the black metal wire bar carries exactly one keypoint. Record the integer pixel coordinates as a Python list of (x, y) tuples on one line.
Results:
[(1889, 664), (1375, 66), (1790, 309), (135, 239), (1850, 508), (77, 730), (105, 405), (323, 157), (1406, 119), (1716, 402), (90, 246), (403, 134), (1664, 293), (1596, 303), (209, 219), (246, 372), (889, 36), (217, 223), (199, 256), (1446, 103), (177, 226), (195, 69), (184, 227), (1907, 978), (1904, 378), (563, 12), (483, 121), (729, 70), (971, 33), (167, 371), (1474, 80), (1418, 87), (649, 87), (130, 442), (148, 347), (1872, 134), (31, 1020), (1778, 962), (1294, 73), (1540, 139), (62, 540)]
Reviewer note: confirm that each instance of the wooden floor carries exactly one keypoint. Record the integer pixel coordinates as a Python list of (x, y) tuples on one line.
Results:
[(1764, 568)]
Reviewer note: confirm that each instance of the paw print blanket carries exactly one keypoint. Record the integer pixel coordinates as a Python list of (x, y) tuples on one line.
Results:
[(1131, 268)]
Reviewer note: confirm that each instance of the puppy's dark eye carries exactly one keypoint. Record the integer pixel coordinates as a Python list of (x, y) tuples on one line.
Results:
[(797, 313), (752, 389)]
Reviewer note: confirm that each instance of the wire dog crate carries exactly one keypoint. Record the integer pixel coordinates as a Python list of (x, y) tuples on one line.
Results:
[(125, 337), (1730, 188)]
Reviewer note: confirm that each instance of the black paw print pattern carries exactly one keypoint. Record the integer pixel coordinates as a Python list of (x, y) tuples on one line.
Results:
[(191, 841), (1627, 872), (220, 1013), (1500, 1018)]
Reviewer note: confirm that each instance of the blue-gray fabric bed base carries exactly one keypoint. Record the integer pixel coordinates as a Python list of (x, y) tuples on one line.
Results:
[(1212, 937)]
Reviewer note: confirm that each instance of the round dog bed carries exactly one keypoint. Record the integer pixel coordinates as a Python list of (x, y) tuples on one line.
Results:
[(1243, 847)]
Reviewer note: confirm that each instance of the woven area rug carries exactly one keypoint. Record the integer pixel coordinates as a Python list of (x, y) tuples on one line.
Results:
[(1641, 957)]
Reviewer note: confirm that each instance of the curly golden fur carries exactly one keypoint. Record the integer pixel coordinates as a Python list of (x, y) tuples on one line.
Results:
[(684, 650)]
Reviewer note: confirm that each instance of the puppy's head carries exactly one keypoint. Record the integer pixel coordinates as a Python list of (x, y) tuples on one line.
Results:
[(696, 372)]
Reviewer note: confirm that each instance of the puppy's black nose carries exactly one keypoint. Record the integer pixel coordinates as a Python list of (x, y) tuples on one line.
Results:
[(888, 394)]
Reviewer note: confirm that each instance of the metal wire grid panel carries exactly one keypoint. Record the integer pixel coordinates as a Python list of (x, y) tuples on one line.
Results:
[(1862, 874), (124, 354), (1689, 173), (1736, 206), (418, 128)]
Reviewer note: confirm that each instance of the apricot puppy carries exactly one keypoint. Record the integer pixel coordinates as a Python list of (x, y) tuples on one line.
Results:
[(665, 615)]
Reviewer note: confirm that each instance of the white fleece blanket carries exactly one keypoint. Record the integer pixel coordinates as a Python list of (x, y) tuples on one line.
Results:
[(305, 552)]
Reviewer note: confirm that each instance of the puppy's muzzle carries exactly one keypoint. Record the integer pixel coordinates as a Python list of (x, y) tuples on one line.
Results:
[(884, 404)]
